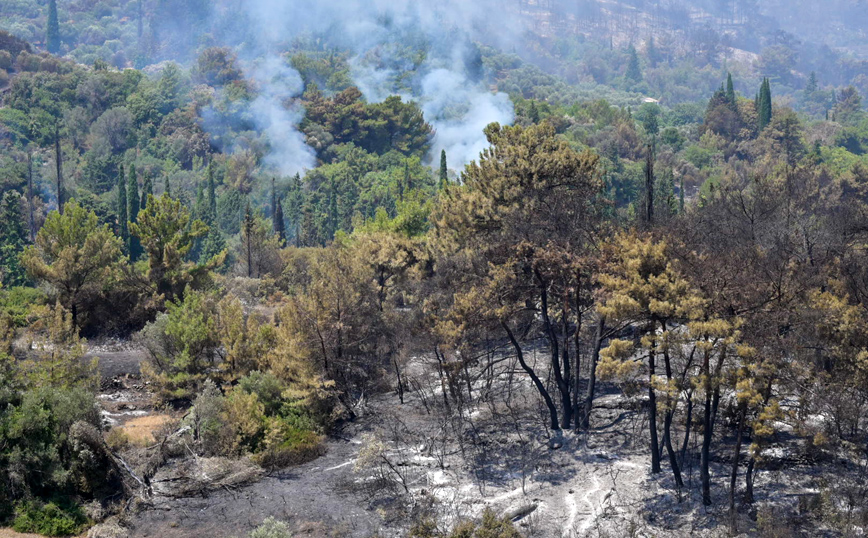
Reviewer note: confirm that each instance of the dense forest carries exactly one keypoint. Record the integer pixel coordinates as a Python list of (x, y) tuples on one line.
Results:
[(380, 269)]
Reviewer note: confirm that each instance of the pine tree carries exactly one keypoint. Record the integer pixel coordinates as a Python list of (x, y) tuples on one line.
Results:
[(634, 72), (730, 89), (123, 221), (444, 170), (52, 37), (147, 189), (133, 206), (279, 224)]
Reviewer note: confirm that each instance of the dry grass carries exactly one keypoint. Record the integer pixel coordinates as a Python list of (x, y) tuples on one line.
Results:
[(140, 431), (9, 533)]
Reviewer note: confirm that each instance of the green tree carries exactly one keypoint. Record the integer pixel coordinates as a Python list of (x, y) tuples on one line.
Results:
[(634, 71), (52, 37), (147, 189), (123, 220), (730, 89), (167, 235), (444, 170), (280, 224), (74, 255), (764, 110), (212, 196), (213, 245), (13, 238), (133, 208)]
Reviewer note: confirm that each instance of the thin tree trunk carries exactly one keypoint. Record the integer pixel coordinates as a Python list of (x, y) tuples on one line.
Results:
[(400, 382), (563, 388), (667, 422), (735, 461), (592, 375), (553, 411), (706, 437), (652, 414), (687, 426)]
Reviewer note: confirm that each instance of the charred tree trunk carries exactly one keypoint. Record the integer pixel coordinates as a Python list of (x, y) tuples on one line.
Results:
[(592, 375), (735, 461), (667, 423), (550, 404), (706, 435), (652, 414), (557, 370)]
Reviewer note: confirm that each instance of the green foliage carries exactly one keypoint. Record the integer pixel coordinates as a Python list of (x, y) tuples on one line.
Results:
[(16, 303), (167, 235), (52, 37), (76, 256), (13, 238), (271, 528), (634, 72), (49, 519)]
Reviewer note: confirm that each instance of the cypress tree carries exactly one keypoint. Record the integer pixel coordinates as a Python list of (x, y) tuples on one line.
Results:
[(133, 206), (765, 105), (634, 72), (201, 211), (651, 52), (13, 238), (730, 89), (248, 232), (167, 187), (533, 112), (123, 226), (52, 37), (812, 85), (649, 186), (273, 197), (147, 189), (279, 224), (213, 245), (681, 195), (444, 170), (212, 195)]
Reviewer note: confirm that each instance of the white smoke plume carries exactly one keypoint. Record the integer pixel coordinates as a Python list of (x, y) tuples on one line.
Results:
[(278, 117), (453, 99)]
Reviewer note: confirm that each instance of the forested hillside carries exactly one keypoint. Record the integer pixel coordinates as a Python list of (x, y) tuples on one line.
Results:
[(505, 269)]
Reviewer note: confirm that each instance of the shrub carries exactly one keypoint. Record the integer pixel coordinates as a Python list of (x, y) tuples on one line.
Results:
[(49, 519), (271, 528), (17, 303)]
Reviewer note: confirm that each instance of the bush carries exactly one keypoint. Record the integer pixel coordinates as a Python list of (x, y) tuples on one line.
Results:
[(50, 519), (271, 528), (17, 303)]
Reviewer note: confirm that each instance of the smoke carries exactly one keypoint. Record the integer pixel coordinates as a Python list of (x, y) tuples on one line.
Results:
[(278, 117), (461, 134), (378, 34)]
